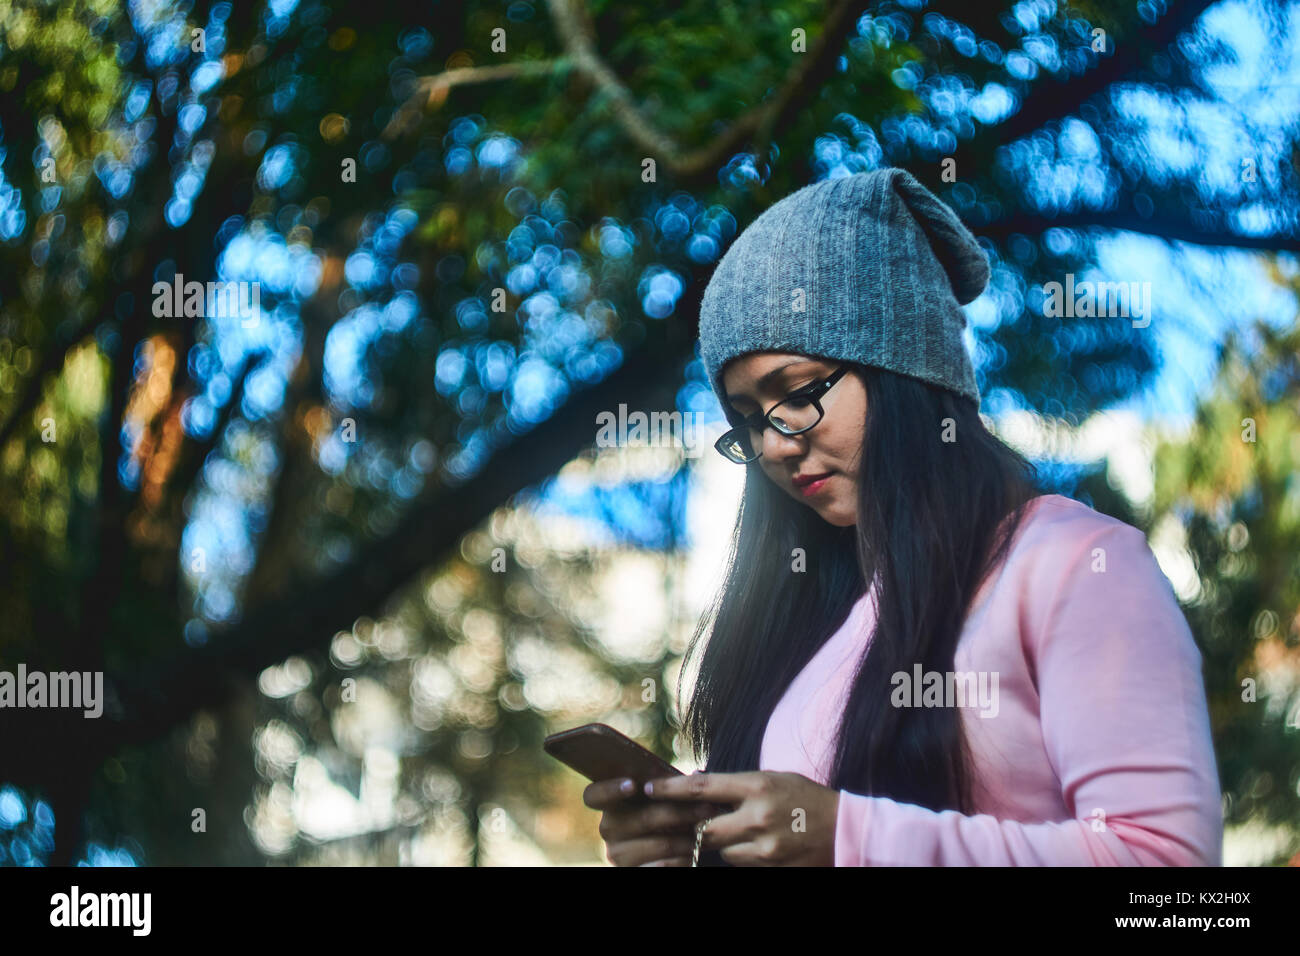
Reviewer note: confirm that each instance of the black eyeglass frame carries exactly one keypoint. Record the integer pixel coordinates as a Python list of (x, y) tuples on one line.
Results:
[(813, 392)]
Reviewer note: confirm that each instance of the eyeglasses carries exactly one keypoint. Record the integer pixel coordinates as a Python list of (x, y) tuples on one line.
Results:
[(795, 414)]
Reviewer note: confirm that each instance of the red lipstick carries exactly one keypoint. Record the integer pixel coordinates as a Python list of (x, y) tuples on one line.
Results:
[(809, 485)]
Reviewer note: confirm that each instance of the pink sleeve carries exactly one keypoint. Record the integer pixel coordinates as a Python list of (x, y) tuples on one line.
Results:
[(1124, 722)]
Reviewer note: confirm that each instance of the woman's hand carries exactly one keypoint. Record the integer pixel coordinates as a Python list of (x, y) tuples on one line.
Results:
[(638, 832), (780, 819)]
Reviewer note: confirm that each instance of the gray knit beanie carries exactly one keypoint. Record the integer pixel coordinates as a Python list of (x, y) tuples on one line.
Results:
[(870, 268)]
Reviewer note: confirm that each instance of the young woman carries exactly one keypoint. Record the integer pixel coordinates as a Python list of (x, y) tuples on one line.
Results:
[(916, 657)]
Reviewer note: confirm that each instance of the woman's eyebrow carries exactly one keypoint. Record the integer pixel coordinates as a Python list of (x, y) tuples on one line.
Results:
[(767, 377)]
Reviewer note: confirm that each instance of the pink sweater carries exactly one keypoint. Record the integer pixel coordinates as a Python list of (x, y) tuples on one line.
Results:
[(1098, 752)]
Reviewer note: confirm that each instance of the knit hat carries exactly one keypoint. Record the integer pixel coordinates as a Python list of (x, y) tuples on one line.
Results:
[(870, 268)]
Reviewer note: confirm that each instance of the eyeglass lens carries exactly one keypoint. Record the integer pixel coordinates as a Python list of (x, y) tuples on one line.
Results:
[(792, 415)]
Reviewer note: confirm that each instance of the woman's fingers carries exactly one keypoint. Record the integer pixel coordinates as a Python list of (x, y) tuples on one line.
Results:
[(625, 823), (608, 793), (645, 850), (639, 832), (609, 796), (659, 819), (613, 792)]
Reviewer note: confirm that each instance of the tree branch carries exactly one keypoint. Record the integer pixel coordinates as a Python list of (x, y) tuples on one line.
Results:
[(306, 614), (274, 549), (1063, 95), (431, 91), (103, 580), (577, 36)]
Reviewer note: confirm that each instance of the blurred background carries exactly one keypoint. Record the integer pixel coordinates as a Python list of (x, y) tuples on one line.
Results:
[(346, 558)]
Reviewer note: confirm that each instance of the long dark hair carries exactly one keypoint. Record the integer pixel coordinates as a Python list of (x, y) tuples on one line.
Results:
[(928, 512)]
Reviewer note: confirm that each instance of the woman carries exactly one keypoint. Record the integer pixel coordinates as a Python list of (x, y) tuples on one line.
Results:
[(1017, 686)]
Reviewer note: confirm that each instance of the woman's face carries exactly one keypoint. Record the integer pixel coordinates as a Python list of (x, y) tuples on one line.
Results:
[(756, 382)]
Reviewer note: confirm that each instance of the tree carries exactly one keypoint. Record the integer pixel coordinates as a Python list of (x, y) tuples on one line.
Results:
[(463, 257), (1231, 486)]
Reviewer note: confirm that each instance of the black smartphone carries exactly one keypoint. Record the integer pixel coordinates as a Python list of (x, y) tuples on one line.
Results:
[(599, 752)]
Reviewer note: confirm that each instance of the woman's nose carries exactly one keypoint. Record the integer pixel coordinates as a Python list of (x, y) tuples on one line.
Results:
[(777, 445)]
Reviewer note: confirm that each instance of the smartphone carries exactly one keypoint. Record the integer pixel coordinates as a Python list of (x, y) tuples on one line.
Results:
[(599, 752)]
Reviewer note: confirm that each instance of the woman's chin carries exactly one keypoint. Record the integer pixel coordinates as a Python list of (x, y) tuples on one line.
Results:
[(834, 515)]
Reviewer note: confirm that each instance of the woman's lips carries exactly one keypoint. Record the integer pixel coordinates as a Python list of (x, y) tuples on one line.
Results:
[(811, 489)]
